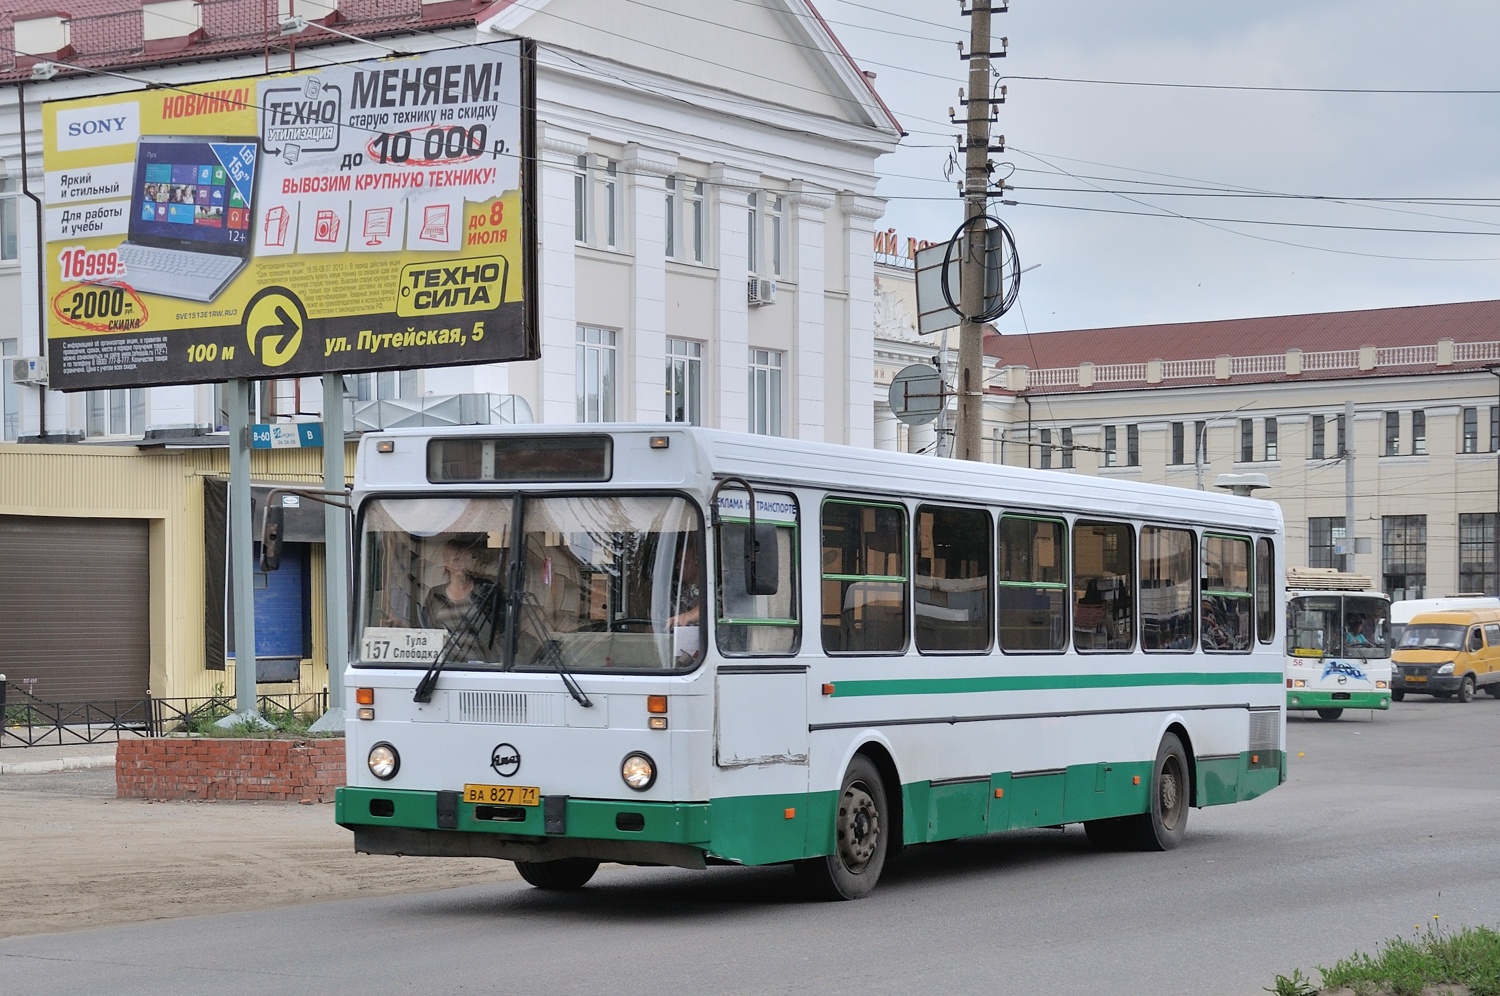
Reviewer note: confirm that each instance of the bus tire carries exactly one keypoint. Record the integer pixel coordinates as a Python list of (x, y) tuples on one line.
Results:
[(1397, 695), (1330, 713), (564, 874), (1466, 689), (861, 832), (1163, 825)]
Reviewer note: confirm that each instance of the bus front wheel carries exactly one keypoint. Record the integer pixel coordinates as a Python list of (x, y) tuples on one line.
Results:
[(1330, 713), (562, 874), (861, 831)]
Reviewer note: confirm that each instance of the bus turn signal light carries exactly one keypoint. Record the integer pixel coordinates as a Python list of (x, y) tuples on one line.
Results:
[(656, 704), (364, 696), (828, 689)]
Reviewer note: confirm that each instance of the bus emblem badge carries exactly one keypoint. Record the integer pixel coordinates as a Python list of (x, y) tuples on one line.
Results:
[(506, 760)]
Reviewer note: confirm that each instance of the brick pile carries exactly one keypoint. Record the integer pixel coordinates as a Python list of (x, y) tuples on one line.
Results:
[(229, 768)]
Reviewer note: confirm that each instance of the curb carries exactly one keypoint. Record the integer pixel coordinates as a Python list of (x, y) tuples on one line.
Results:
[(56, 764)]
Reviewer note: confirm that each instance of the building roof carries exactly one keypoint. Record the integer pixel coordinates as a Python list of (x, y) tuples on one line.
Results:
[(1398, 342)]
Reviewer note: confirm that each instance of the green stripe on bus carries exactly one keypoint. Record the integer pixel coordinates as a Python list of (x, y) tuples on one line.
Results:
[(1039, 682)]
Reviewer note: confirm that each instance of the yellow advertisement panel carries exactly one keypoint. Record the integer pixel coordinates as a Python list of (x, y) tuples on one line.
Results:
[(367, 216)]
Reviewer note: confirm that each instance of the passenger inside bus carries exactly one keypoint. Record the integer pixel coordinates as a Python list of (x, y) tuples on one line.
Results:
[(463, 603)]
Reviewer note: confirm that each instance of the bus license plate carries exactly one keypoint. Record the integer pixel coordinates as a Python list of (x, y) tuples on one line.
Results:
[(503, 795), (1416, 678)]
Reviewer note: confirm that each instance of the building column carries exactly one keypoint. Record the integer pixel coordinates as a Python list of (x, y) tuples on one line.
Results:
[(557, 389), (860, 215), (810, 415), (731, 345), (647, 339)]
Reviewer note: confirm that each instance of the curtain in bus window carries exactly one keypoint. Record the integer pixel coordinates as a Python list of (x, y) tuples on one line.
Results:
[(864, 578), (1227, 597), (1167, 589), (1033, 571), (952, 578), (1103, 586)]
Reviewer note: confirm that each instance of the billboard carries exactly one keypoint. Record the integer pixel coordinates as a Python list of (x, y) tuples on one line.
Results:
[(364, 216)]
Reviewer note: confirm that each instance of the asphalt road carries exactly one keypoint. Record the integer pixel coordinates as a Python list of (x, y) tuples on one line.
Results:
[(1383, 826)]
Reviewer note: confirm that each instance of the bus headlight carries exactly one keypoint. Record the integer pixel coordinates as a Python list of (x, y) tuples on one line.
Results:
[(384, 762), (638, 770), (1446, 668)]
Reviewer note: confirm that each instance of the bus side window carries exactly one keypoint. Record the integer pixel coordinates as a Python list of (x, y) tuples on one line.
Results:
[(766, 624), (1103, 586), (864, 577), (1168, 602), (1032, 563), (953, 571), (1227, 593)]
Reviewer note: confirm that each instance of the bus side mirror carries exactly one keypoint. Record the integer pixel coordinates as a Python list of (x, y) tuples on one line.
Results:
[(270, 537), (762, 560)]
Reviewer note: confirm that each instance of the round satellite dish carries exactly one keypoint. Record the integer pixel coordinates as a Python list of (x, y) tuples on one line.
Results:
[(916, 394)]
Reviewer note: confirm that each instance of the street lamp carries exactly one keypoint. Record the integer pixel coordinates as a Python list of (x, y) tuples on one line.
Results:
[(1200, 445)]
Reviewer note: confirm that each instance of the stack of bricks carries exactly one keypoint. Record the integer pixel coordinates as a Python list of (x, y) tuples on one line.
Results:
[(230, 769)]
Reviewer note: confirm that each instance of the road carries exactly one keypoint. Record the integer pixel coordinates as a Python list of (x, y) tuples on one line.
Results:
[(1383, 826)]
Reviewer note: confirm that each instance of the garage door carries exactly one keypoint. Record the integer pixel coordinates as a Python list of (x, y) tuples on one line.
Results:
[(74, 607)]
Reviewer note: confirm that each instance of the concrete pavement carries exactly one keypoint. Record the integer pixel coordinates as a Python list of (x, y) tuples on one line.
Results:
[(69, 757)]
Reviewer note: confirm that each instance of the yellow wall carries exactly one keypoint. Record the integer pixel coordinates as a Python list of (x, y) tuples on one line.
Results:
[(164, 486)]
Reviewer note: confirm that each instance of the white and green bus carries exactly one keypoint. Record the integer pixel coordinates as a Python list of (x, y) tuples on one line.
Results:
[(1338, 642), (664, 645)]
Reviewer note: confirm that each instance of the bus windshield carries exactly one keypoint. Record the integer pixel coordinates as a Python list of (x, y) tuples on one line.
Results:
[(1352, 626), (596, 583), (1431, 636)]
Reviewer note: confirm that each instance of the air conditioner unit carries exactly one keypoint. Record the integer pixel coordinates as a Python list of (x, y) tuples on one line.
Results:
[(29, 370), (761, 291)]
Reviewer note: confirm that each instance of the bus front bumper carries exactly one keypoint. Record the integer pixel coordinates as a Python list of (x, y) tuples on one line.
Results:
[(1311, 698)]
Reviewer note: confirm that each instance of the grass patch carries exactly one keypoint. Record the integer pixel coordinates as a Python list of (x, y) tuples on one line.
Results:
[(1468, 957)]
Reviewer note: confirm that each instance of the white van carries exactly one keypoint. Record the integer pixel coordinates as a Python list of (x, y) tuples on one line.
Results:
[(1401, 612)]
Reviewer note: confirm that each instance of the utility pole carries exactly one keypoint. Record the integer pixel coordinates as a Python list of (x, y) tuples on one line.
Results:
[(973, 266), (1349, 487)]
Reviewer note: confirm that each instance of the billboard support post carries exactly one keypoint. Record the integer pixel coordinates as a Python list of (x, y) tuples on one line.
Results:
[(335, 555), (241, 556)]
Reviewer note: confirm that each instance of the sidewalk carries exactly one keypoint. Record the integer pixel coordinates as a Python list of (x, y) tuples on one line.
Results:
[(69, 757)]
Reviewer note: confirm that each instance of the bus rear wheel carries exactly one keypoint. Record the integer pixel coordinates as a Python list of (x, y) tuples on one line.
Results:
[(1330, 713), (563, 874), (861, 831), (1163, 826)]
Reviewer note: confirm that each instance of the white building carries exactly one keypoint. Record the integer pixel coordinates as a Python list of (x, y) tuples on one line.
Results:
[(707, 205)]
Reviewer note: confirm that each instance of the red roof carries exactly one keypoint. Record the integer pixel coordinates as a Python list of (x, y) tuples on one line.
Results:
[(1383, 328)]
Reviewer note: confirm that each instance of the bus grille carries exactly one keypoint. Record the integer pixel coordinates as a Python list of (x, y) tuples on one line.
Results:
[(510, 708), (1265, 729)]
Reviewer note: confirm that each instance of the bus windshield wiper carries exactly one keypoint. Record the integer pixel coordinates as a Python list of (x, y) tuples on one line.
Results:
[(485, 608)]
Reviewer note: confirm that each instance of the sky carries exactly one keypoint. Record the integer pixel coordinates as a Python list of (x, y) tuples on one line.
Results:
[(1225, 194)]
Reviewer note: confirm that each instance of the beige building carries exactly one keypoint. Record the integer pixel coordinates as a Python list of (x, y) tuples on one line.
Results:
[(1183, 404)]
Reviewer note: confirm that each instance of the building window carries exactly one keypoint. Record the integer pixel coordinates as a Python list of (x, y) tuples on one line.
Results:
[(1325, 534), (1179, 444), (695, 218), (765, 391), (1319, 437), (672, 216), (119, 412), (1494, 428), (1111, 454), (1045, 452), (1403, 553), (685, 381), (1470, 442), (386, 385), (1392, 433), (596, 201), (582, 190), (597, 360), (7, 218), (1419, 433), (1132, 446), (10, 394), (765, 244), (1271, 433), (1476, 553), (1067, 449), (1247, 440)]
